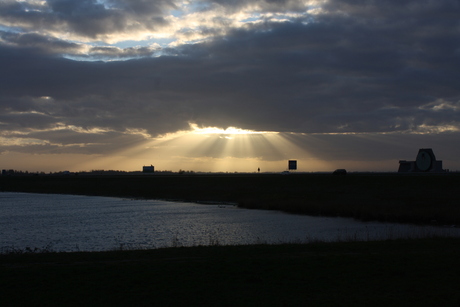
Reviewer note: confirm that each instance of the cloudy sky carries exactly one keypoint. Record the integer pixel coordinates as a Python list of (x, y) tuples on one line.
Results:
[(228, 85)]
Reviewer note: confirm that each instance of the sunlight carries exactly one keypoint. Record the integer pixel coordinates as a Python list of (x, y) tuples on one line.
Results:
[(227, 131), (212, 149), (231, 149)]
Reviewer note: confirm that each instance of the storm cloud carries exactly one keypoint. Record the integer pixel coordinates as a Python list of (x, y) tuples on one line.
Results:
[(327, 68)]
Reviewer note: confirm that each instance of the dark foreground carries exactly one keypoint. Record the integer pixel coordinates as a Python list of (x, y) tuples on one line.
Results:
[(421, 199), (423, 272)]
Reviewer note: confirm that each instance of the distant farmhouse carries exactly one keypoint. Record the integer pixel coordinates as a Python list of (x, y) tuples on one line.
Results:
[(424, 163), (148, 169)]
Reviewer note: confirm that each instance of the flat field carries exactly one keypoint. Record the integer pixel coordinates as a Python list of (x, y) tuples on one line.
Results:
[(422, 272), (420, 199)]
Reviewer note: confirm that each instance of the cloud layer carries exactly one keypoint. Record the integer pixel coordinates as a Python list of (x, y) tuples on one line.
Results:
[(93, 76)]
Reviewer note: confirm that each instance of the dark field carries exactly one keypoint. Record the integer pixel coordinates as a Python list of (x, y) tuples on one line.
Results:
[(422, 272), (418, 272), (420, 199)]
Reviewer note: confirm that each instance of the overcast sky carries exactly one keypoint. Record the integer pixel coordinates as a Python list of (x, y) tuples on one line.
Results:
[(117, 84)]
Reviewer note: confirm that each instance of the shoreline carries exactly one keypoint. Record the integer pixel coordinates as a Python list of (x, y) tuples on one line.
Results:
[(423, 200)]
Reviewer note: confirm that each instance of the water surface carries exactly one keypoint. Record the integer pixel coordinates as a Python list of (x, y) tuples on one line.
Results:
[(87, 223)]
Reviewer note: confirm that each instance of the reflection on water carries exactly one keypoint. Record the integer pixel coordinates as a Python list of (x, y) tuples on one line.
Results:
[(72, 223)]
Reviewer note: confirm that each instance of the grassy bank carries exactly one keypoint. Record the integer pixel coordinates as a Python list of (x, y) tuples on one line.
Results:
[(421, 199), (389, 273)]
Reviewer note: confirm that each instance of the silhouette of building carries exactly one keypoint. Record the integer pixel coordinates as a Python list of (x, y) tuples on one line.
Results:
[(148, 169), (292, 164), (425, 162)]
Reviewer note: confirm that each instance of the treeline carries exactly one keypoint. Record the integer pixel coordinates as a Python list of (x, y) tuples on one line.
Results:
[(12, 172)]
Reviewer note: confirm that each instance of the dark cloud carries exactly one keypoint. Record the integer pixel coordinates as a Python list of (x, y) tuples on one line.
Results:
[(357, 67), (261, 5), (72, 142), (142, 7), (86, 18), (118, 53), (52, 46), (40, 43)]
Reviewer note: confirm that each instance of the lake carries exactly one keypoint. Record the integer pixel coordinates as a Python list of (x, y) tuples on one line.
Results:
[(86, 223)]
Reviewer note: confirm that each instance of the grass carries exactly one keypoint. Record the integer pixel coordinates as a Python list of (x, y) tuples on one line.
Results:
[(419, 199), (401, 272), (422, 272)]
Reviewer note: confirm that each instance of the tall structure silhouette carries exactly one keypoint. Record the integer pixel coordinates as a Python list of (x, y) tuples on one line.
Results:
[(425, 162)]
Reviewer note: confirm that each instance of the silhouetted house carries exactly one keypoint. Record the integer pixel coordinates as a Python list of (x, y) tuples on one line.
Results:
[(148, 169), (425, 162)]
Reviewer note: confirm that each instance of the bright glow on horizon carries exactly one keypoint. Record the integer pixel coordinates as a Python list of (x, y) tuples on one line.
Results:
[(207, 149), (227, 131)]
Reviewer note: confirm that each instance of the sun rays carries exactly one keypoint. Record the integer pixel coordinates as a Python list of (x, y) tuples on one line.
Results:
[(212, 149), (233, 149)]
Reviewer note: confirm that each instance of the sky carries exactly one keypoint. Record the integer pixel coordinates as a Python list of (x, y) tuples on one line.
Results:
[(228, 85)]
